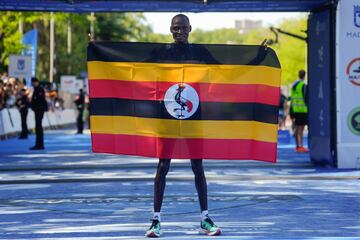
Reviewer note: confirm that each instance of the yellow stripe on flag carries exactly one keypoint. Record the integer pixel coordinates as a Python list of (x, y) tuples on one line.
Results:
[(169, 128), (202, 73)]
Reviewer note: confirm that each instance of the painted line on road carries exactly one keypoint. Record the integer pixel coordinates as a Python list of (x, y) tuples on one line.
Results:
[(177, 178), (152, 165)]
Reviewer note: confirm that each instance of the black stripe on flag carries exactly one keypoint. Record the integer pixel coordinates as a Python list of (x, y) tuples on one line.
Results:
[(182, 53), (206, 110)]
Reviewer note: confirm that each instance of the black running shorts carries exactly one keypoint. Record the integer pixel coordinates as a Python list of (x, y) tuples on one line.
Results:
[(301, 119)]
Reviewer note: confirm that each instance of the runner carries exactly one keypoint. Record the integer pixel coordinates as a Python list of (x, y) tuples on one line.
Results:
[(180, 29)]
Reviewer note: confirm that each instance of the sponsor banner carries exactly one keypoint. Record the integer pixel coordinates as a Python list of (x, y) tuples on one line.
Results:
[(319, 88), (348, 83), (70, 84), (354, 121), (20, 66)]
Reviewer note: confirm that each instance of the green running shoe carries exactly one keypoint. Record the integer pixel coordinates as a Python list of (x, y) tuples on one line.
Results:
[(209, 227), (154, 230)]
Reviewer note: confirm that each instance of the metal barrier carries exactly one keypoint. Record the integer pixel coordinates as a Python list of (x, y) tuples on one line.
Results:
[(10, 120)]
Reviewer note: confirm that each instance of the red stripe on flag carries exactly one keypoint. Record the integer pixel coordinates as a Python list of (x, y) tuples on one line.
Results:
[(231, 149), (213, 92)]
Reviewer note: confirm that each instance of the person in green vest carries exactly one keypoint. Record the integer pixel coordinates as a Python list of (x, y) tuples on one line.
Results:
[(299, 110)]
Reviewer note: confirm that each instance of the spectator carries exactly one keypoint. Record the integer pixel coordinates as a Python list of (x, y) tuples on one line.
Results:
[(23, 104), (299, 110), (2, 95), (180, 29), (10, 98), (4, 77), (282, 111), (52, 97), (39, 106), (80, 105)]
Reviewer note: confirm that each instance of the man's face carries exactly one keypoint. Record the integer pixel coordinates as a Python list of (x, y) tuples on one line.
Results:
[(180, 29)]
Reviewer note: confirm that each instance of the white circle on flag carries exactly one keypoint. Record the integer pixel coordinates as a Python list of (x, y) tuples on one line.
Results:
[(181, 100)]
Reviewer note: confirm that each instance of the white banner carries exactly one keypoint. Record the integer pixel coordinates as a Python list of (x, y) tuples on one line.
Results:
[(70, 84), (348, 83), (20, 66)]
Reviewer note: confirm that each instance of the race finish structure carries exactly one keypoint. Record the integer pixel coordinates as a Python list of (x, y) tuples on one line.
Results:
[(184, 100)]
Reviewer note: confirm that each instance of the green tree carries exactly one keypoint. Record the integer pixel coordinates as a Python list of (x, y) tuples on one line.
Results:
[(9, 37), (114, 26), (42, 24), (108, 27), (292, 52), (70, 60), (257, 36), (121, 27)]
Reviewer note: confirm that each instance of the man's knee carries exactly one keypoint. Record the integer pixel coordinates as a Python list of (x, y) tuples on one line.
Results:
[(197, 166), (163, 167)]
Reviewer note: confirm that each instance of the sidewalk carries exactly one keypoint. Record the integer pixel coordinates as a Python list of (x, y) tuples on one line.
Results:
[(66, 192)]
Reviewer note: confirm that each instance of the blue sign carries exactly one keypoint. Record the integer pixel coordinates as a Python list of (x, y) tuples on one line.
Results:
[(30, 41), (21, 64), (357, 16)]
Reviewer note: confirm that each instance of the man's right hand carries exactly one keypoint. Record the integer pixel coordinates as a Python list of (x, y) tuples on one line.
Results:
[(91, 38), (265, 43)]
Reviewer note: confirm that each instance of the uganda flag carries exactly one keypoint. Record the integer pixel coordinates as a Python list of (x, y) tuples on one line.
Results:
[(184, 100)]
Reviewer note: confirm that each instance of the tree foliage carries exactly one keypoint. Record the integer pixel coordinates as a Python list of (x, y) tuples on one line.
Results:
[(114, 26), (292, 52), (70, 60), (129, 27), (9, 37), (121, 27)]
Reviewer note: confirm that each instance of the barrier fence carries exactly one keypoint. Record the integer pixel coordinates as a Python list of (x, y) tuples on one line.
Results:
[(10, 120)]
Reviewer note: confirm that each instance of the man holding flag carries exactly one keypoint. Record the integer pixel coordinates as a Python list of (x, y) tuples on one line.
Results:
[(184, 101), (180, 29)]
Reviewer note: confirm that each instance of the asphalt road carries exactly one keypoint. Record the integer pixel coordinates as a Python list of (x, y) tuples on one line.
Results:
[(66, 192)]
